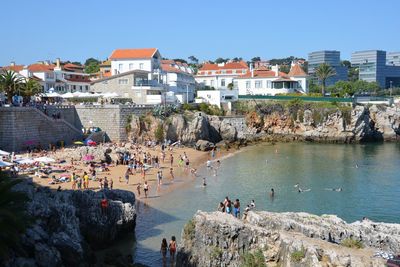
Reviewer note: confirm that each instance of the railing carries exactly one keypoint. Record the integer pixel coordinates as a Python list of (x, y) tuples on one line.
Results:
[(146, 83), (304, 98)]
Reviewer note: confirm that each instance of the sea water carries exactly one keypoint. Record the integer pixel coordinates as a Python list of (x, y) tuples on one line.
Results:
[(369, 176)]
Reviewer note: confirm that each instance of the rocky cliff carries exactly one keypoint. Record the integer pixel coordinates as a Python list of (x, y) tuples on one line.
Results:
[(284, 239), (68, 225), (341, 124)]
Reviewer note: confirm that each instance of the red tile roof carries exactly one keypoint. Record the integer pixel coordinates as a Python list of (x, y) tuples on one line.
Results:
[(296, 70), (133, 53), (41, 68), (16, 68), (72, 66), (227, 66)]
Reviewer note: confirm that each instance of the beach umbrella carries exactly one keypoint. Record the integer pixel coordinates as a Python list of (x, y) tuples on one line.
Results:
[(67, 95), (53, 95), (4, 153), (88, 158), (5, 164), (24, 161), (78, 143), (44, 159), (91, 143)]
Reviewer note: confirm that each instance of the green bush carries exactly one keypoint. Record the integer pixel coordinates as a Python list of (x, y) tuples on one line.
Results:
[(189, 230), (159, 133), (187, 107), (298, 255), (255, 259), (351, 243)]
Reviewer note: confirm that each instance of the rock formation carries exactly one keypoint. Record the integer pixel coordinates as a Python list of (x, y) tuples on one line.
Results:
[(67, 225), (284, 239)]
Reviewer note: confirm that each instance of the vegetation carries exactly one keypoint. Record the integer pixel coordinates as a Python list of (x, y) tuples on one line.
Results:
[(13, 220), (323, 72), (349, 88), (298, 255), (255, 259), (210, 109), (128, 125), (351, 243), (164, 111), (159, 133), (189, 230), (10, 83), (216, 253), (92, 65), (30, 88)]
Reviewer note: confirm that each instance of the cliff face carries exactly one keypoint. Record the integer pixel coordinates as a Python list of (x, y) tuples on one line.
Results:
[(284, 239), (360, 124), (67, 225)]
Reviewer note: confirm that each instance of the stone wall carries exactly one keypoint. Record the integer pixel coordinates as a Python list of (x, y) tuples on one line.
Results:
[(23, 127)]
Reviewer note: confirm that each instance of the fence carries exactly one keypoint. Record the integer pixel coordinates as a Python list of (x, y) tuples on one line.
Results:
[(304, 98)]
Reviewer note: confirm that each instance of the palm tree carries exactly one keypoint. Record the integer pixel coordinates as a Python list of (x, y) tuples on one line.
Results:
[(13, 220), (323, 72), (30, 88), (10, 83)]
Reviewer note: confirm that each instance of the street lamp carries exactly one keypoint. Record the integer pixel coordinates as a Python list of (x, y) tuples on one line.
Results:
[(391, 87)]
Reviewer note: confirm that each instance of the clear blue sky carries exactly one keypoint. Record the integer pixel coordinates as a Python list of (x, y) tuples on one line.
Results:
[(78, 29)]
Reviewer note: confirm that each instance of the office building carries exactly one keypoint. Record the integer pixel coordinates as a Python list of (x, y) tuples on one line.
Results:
[(330, 57)]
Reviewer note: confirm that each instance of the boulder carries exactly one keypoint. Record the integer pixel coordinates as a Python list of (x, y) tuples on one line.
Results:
[(204, 145)]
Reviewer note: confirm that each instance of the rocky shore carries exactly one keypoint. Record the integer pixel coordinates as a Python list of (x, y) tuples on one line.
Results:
[(340, 125), (284, 239), (67, 226)]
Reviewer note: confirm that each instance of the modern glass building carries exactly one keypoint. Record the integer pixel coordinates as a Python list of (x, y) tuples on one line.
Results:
[(330, 57), (374, 66)]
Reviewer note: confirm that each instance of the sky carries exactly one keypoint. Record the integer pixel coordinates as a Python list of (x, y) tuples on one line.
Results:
[(75, 30)]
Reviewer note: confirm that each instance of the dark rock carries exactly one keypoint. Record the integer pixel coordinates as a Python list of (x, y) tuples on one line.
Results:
[(204, 145)]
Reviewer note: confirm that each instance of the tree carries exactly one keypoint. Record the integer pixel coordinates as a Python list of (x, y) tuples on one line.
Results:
[(284, 68), (10, 83), (159, 133), (180, 60), (193, 60), (13, 220), (323, 72), (346, 63), (76, 63), (237, 59), (221, 60), (255, 59), (92, 65), (230, 86), (30, 88)]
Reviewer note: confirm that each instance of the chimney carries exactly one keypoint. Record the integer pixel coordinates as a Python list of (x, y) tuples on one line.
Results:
[(12, 63), (276, 70), (251, 70), (58, 62)]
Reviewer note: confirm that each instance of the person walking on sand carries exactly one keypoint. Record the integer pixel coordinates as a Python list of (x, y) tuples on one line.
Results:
[(138, 189), (159, 178), (171, 159), (171, 172), (172, 248), (73, 181), (146, 188), (111, 183), (127, 177), (85, 180), (163, 250)]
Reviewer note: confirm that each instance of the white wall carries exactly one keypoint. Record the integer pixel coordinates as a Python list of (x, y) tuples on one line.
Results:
[(216, 97), (215, 81), (266, 90), (147, 65)]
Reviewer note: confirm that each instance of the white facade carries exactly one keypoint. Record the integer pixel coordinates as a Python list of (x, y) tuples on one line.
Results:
[(182, 84), (216, 97), (123, 65)]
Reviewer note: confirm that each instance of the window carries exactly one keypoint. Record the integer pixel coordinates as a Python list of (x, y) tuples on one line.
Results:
[(119, 67), (223, 71), (141, 66), (248, 83), (123, 81), (74, 87), (258, 84), (235, 84), (130, 66), (223, 82), (269, 84), (243, 71), (80, 88), (212, 83), (87, 87)]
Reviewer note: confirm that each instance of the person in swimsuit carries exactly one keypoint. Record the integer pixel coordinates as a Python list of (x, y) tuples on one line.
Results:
[(163, 250), (172, 248), (204, 182), (145, 188), (272, 193), (236, 208), (171, 172), (138, 189)]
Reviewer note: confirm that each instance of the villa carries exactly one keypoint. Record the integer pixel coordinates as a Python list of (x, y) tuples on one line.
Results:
[(265, 81)]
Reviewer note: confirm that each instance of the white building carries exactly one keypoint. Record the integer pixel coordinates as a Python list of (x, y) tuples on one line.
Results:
[(123, 60), (219, 76), (216, 97), (264, 81), (179, 78)]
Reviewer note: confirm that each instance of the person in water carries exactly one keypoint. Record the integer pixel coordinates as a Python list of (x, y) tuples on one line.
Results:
[(172, 248), (252, 204), (272, 193), (163, 250), (204, 182)]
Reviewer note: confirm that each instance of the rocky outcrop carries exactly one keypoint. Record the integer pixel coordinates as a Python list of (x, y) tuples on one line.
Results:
[(204, 145), (284, 239), (68, 225)]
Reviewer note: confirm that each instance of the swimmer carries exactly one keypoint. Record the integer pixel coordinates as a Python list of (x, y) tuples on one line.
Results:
[(296, 185), (252, 204), (272, 193), (204, 182), (266, 161), (356, 166), (339, 189)]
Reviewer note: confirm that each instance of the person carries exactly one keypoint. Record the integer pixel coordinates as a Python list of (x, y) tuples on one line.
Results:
[(79, 182), (228, 207), (94, 174), (73, 181), (218, 164), (105, 183), (272, 193), (213, 153), (104, 205), (221, 207), (145, 189), (59, 188), (204, 182), (172, 248), (85, 180), (246, 211), (127, 177), (111, 183), (252, 204), (101, 185), (209, 164), (163, 249), (138, 189), (171, 159), (159, 177), (236, 208), (171, 172), (120, 179)]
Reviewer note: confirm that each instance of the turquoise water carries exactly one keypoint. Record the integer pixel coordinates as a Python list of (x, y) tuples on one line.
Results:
[(368, 174)]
